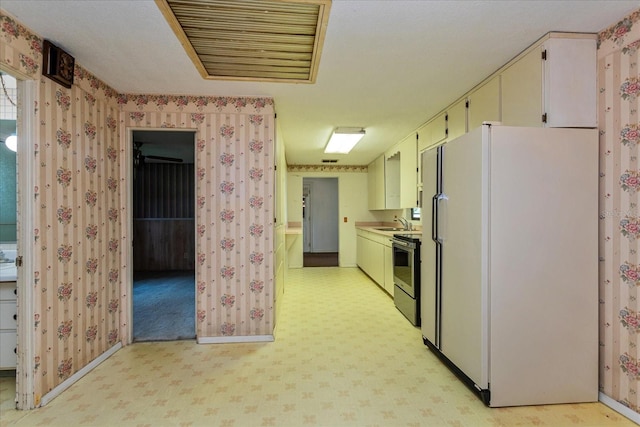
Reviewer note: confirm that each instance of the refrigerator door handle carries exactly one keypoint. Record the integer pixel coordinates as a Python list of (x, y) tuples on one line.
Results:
[(434, 218), (439, 238)]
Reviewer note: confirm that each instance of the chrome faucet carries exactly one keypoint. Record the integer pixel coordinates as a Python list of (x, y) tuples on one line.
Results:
[(405, 224)]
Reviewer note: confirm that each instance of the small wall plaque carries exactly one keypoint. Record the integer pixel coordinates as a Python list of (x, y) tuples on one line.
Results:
[(57, 64)]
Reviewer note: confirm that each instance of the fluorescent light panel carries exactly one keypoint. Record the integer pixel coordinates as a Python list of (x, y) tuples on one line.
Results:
[(343, 140)]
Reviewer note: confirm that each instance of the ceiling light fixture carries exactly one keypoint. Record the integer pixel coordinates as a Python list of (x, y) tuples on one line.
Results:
[(343, 140), (12, 143)]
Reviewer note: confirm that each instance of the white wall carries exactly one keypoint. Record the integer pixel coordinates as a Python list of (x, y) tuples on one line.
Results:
[(352, 204)]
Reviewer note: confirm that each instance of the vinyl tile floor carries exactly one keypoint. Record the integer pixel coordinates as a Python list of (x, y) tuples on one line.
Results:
[(343, 356)]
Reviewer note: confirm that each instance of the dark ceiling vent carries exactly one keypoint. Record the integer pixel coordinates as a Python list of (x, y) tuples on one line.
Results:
[(329, 161)]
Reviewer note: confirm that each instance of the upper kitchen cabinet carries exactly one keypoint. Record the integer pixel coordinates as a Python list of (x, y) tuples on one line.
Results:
[(432, 132), (408, 172), (552, 84), (457, 119), (375, 184), (392, 186), (401, 173), (522, 91), (484, 103), (570, 82)]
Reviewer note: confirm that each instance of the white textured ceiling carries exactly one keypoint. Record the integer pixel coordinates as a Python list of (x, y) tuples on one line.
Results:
[(386, 65)]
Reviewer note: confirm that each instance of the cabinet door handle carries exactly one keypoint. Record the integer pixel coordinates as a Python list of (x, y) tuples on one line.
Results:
[(15, 317)]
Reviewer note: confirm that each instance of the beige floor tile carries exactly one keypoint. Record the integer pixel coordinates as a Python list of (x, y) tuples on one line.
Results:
[(344, 356)]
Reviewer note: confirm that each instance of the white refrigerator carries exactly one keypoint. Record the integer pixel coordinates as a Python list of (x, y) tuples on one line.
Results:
[(509, 296)]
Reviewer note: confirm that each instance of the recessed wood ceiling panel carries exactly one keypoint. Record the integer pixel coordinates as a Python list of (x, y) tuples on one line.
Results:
[(256, 40)]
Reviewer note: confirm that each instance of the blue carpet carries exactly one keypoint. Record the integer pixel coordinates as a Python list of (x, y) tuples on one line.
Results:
[(164, 306)]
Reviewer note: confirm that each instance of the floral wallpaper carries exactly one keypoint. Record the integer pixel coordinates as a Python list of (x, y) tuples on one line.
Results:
[(327, 168), (77, 274), (619, 99), (20, 50), (77, 233), (234, 204), (81, 302)]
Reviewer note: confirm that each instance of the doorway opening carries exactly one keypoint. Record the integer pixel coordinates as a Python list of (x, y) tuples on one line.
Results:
[(163, 225), (8, 236), (320, 222)]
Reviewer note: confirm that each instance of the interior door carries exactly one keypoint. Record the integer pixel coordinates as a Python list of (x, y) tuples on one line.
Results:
[(322, 209)]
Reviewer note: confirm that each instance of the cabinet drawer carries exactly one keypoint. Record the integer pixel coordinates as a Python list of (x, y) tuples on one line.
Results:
[(7, 290), (8, 310), (8, 356)]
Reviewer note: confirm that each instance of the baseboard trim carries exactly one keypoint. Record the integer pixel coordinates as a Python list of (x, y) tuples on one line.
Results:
[(619, 407), (223, 340), (81, 373)]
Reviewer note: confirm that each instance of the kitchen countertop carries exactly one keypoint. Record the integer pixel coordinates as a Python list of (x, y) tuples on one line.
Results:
[(390, 233), (8, 272), (8, 269)]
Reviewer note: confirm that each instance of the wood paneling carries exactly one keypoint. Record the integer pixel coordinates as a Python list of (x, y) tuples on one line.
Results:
[(161, 244), (163, 226), (164, 190)]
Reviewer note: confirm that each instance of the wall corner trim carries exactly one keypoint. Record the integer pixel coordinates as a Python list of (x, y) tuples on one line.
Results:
[(224, 340), (81, 373), (619, 407)]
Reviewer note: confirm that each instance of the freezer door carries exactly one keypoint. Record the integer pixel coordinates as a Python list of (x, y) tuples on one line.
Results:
[(428, 290), (464, 276)]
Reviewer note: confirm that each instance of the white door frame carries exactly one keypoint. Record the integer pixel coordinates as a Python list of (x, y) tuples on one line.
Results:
[(126, 169), (27, 128), (307, 232)]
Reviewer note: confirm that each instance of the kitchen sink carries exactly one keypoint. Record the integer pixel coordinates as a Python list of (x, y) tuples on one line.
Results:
[(389, 229)]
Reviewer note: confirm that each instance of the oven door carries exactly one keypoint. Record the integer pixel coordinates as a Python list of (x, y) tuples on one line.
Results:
[(403, 266)]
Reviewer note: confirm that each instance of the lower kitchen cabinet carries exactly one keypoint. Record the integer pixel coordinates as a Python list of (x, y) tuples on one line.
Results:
[(388, 267), (8, 325), (373, 256)]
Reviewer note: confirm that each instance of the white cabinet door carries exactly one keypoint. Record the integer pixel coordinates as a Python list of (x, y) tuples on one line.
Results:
[(408, 172), (377, 270), (388, 269), (360, 251), (457, 120), (8, 341), (430, 135), (484, 103), (553, 85), (522, 91), (376, 184), (370, 255), (8, 325), (433, 132), (570, 82), (392, 184)]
